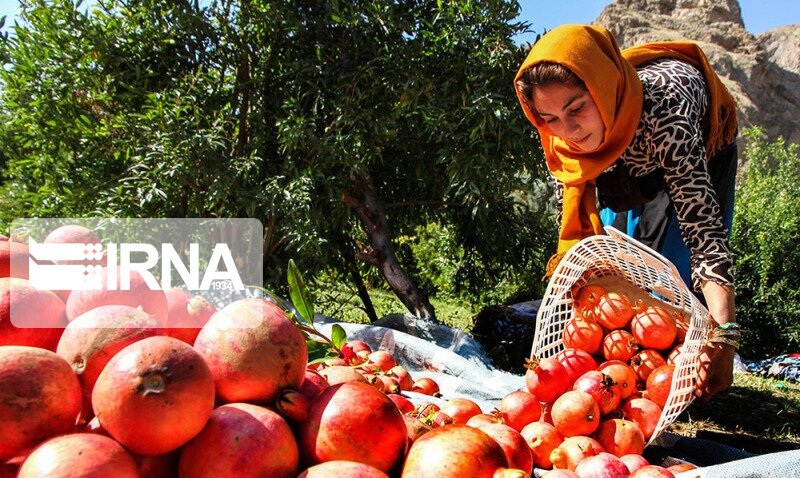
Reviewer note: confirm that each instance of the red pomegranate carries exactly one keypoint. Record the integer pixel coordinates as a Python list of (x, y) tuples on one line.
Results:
[(519, 408), (40, 397), (588, 296), (340, 468), (546, 378), (313, 383), (659, 383), (614, 311), (576, 362), (619, 345), (136, 294), (652, 471), (460, 409), (253, 350), (241, 440), (572, 450), (79, 454), (425, 386), (14, 259), (514, 445), (542, 439), (353, 421), (644, 412), (403, 377), (621, 373), (29, 316), (645, 362), (89, 341), (634, 461), (403, 404), (583, 333), (620, 437), (602, 465), (154, 395), (336, 374), (606, 392), (186, 314), (468, 451), (576, 413), (654, 328), (71, 234)]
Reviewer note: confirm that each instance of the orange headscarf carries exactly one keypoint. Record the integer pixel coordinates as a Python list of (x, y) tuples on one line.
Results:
[(591, 53)]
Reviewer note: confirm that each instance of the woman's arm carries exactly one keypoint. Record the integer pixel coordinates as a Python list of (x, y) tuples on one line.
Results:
[(715, 367)]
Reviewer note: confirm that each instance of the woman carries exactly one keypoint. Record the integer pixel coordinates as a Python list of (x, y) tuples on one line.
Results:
[(650, 133)]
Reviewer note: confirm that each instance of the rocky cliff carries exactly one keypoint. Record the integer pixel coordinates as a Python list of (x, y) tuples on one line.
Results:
[(762, 72)]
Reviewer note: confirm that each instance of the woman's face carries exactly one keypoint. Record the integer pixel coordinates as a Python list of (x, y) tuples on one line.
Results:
[(571, 114)]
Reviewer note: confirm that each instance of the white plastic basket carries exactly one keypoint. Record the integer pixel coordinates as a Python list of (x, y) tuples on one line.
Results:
[(620, 255)]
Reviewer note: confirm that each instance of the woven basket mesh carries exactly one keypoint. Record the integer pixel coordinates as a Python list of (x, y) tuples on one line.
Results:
[(620, 255)]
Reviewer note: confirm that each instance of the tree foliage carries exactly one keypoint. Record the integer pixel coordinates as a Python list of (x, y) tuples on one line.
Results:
[(764, 239), (281, 110)]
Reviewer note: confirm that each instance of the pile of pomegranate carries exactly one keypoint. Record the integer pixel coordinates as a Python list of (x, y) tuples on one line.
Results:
[(146, 383)]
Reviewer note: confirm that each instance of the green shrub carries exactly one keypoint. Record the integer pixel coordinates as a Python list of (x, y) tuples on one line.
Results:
[(764, 241)]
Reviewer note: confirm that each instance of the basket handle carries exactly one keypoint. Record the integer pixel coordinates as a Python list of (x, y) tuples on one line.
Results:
[(646, 251)]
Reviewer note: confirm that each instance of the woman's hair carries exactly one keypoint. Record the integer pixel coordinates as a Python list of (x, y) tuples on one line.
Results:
[(545, 73)]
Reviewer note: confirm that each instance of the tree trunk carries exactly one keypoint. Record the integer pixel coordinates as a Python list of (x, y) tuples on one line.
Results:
[(381, 253), (351, 266)]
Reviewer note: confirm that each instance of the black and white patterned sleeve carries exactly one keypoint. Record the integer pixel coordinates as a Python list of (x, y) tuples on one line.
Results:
[(679, 148)]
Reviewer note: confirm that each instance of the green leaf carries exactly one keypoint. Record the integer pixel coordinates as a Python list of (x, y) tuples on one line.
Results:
[(338, 336), (298, 292)]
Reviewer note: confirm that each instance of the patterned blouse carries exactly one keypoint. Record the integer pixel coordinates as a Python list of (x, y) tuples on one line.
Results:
[(670, 136)]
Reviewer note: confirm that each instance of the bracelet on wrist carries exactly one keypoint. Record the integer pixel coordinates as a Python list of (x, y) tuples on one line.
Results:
[(724, 340)]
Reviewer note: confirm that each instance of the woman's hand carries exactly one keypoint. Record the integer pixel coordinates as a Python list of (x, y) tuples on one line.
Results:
[(714, 370), (715, 363)]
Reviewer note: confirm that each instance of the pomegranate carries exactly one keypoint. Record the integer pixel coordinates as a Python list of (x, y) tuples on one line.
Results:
[(241, 440), (352, 352), (546, 378), (29, 316), (519, 408), (154, 395), (339, 468), (347, 422), (606, 392), (293, 405), (14, 259), (469, 452), (89, 341), (253, 350), (634, 461), (576, 362), (572, 450), (40, 397), (620, 437), (619, 345), (482, 419), (71, 234), (576, 413), (313, 384), (654, 328), (336, 374), (645, 362), (675, 353), (588, 296), (403, 377), (514, 445), (186, 314), (403, 404), (415, 427), (138, 294), (659, 383), (622, 374), (614, 311), (460, 409), (644, 412), (79, 454), (425, 386), (602, 465), (583, 333), (383, 359), (652, 471), (542, 439)]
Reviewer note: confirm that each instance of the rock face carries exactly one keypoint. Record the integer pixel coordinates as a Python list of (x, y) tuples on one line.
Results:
[(762, 72)]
